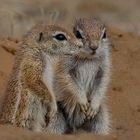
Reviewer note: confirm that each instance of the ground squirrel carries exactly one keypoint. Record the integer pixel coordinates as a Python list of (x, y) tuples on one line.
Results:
[(29, 96), (90, 76)]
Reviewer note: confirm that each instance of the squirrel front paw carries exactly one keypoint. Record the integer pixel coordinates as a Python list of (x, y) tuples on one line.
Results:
[(83, 104), (52, 109), (72, 104), (84, 107), (92, 110)]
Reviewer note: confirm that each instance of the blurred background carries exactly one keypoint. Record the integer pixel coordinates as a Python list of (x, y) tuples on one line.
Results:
[(18, 16)]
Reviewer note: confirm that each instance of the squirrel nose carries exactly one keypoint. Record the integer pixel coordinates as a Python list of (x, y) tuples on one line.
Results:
[(93, 47)]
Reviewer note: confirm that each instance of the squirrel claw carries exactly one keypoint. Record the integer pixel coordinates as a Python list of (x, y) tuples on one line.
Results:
[(51, 114), (84, 108), (90, 113), (52, 109)]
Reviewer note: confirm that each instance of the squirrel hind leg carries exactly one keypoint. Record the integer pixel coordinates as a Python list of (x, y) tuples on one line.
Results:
[(57, 124)]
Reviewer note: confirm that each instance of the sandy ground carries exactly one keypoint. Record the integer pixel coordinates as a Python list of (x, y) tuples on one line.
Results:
[(18, 16), (8, 132), (123, 93)]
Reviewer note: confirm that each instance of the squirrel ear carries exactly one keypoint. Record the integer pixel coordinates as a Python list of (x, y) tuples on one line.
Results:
[(40, 37)]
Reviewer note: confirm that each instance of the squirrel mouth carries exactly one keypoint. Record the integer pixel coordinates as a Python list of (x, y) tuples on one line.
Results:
[(68, 54), (93, 52)]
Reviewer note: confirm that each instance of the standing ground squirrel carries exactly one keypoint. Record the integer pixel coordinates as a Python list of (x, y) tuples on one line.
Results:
[(90, 78), (29, 96)]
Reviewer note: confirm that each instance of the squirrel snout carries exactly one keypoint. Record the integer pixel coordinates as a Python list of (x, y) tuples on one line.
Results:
[(89, 50), (93, 50), (93, 47)]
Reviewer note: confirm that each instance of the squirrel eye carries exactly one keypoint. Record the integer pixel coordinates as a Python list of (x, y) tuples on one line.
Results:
[(104, 35), (77, 34), (60, 37)]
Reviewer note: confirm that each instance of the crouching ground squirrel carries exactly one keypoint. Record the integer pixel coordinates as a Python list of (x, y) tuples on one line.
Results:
[(29, 98), (90, 76)]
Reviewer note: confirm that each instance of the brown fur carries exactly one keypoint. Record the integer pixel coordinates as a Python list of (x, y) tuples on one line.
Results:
[(27, 75), (89, 78)]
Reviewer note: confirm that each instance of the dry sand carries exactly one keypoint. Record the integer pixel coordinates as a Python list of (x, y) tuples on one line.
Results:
[(123, 93)]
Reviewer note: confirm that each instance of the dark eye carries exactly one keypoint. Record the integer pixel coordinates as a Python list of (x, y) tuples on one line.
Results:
[(104, 35), (77, 34), (60, 37)]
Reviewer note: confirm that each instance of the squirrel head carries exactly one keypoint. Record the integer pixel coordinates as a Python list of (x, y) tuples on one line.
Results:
[(55, 40), (92, 32)]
